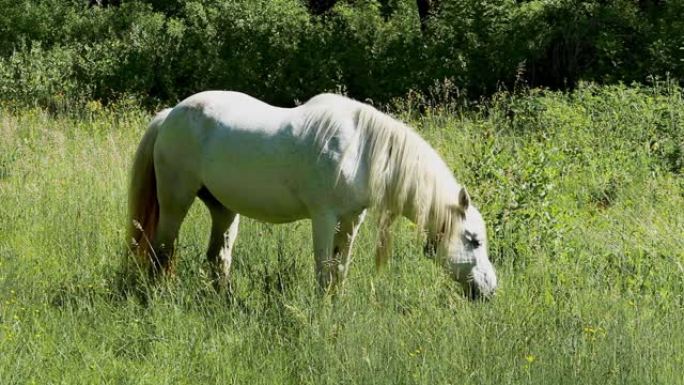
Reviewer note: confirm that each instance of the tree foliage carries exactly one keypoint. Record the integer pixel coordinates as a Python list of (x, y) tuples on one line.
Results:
[(283, 50)]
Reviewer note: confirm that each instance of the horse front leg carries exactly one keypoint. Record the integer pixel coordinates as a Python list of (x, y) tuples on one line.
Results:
[(384, 249), (344, 240), (323, 226), (333, 240)]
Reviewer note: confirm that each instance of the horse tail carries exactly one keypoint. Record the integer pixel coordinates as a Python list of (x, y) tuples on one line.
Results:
[(143, 206)]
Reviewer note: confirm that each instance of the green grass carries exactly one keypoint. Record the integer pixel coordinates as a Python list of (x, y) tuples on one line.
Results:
[(583, 195)]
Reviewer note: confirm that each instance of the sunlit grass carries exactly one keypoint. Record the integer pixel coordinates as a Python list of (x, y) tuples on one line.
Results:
[(582, 193)]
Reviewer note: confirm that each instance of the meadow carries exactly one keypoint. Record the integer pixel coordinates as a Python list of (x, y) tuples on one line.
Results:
[(583, 194)]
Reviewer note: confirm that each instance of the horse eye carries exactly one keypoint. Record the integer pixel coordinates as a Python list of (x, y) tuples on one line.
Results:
[(471, 239)]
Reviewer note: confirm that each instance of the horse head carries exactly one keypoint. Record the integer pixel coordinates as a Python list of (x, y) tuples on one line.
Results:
[(463, 252)]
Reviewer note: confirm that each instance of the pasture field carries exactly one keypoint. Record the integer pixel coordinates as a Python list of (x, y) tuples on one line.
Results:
[(583, 194)]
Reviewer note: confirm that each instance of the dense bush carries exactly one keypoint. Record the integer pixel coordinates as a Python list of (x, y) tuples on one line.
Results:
[(161, 51)]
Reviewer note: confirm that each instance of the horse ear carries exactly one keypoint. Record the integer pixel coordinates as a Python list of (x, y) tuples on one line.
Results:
[(463, 203), (463, 199)]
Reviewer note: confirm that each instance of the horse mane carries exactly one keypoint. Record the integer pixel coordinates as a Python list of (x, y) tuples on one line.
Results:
[(404, 171)]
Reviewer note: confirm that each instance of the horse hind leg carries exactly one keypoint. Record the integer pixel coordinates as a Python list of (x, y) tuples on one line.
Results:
[(175, 198), (224, 228)]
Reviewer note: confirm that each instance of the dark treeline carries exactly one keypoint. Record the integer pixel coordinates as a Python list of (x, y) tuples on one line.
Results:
[(286, 50)]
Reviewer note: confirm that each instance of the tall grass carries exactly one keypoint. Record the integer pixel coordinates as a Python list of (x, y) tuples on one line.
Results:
[(583, 196)]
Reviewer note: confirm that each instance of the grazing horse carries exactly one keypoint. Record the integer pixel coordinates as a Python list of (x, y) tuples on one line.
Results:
[(328, 159)]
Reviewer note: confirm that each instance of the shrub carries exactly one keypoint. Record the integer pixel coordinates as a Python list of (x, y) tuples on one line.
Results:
[(162, 51)]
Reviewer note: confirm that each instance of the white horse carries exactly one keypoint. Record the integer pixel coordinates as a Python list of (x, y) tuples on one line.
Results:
[(329, 160)]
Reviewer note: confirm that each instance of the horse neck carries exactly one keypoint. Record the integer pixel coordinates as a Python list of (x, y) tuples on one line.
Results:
[(434, 193), (419, 184)]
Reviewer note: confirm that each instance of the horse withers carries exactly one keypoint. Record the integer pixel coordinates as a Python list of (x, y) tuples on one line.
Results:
[(329, 160)]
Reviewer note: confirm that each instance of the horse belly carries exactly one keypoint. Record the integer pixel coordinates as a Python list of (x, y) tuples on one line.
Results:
[(256, 193)]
